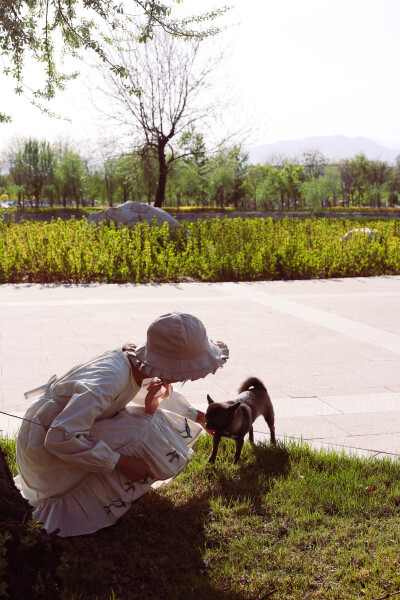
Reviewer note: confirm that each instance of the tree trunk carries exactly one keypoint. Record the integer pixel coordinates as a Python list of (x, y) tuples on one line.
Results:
[(30, 555), (162, 176)]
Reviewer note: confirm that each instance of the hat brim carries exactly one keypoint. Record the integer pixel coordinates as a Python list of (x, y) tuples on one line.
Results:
[(174, 369)]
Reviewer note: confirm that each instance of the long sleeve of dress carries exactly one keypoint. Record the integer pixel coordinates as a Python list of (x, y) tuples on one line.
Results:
[(70, 437)]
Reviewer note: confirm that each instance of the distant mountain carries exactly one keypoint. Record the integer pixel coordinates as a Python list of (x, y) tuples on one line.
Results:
[(334, 147)]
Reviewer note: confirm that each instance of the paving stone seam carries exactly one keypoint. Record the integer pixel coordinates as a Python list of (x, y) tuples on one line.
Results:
[(347, 327), (105, 301)]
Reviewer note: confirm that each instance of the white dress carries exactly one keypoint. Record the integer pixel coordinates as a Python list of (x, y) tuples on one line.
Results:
[(73, 436)]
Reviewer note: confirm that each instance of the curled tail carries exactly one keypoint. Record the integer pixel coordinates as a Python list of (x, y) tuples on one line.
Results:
[(251, 382)]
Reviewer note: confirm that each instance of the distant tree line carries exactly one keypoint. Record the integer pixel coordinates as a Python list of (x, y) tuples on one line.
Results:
[(312, 182), (36, 173)]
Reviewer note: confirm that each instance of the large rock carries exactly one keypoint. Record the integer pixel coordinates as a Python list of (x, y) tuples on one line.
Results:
[(131, 213), (371, 235)]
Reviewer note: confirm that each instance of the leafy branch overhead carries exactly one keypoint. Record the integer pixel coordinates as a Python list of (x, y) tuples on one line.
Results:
[(36, 29)]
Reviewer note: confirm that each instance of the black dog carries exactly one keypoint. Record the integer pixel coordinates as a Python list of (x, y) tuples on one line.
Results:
[(235, 418)]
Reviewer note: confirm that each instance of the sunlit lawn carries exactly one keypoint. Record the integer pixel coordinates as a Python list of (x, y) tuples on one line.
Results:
[(288, 522)]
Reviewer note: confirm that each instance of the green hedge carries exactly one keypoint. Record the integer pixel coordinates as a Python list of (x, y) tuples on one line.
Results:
[(209, 250)]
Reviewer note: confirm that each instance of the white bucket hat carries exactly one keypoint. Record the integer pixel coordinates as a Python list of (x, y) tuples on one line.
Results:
[(178, 349)]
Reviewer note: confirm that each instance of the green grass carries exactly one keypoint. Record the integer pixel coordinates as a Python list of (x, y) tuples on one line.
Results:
[(206, 250), (7, 444), (307, 524)]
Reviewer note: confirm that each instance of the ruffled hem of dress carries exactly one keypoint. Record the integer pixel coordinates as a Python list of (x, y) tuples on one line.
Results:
[(97, 503)]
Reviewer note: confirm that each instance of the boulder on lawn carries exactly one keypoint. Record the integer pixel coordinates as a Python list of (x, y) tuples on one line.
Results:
[(371, 235), (130, 213)]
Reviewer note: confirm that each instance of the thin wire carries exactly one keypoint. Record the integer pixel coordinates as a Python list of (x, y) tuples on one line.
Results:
[(33, 422), (292, 437)]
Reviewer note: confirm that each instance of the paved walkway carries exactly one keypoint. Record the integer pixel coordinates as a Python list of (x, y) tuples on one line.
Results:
[(327, 350)]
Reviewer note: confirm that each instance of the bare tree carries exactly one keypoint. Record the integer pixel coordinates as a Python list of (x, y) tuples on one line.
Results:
[(174, 82)]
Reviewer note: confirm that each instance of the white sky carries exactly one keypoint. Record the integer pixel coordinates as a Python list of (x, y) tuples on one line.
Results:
[(299, 68)]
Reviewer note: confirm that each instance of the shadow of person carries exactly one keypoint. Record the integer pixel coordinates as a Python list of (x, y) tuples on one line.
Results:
[(155, 551), (158, 549)]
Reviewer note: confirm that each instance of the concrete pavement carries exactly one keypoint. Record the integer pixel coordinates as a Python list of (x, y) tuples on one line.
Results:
[(327, 350)]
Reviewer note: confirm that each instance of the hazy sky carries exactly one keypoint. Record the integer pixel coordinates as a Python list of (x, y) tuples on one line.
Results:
[(299, 68)]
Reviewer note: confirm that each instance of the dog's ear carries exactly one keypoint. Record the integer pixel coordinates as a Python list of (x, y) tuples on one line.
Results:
[(234, 407), (210, 400)]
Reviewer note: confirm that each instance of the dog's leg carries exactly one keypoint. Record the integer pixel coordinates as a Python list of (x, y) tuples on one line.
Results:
[(251, 436), (270, 419), (216, 441), (239, 446), (272, 431)]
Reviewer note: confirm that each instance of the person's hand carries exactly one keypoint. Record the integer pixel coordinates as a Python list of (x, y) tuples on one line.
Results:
[(153, 397), (135, 469), (201, 420)]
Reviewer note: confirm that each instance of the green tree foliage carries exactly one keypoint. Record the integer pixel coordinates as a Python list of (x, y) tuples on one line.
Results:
[(393, 185), (228, 172), (363, 180), (354, 174), (33, 168), (47, 29), (312, 191), (269, 191), (292, 178), (36, 172), (378, 174), (193, 147), (189, 177), (322, 192), (281, 187), (127, 167), (111, 179), (94, 184), (72, 175)]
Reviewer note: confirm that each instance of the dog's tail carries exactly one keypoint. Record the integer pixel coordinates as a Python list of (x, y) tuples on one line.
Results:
[(251, 382)]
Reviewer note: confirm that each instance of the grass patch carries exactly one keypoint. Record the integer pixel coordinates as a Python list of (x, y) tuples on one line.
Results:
[(7, 444), (307, 524)]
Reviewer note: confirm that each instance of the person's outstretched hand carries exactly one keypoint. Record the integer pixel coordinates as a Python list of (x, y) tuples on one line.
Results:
[(135, 469), (201, 420)]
